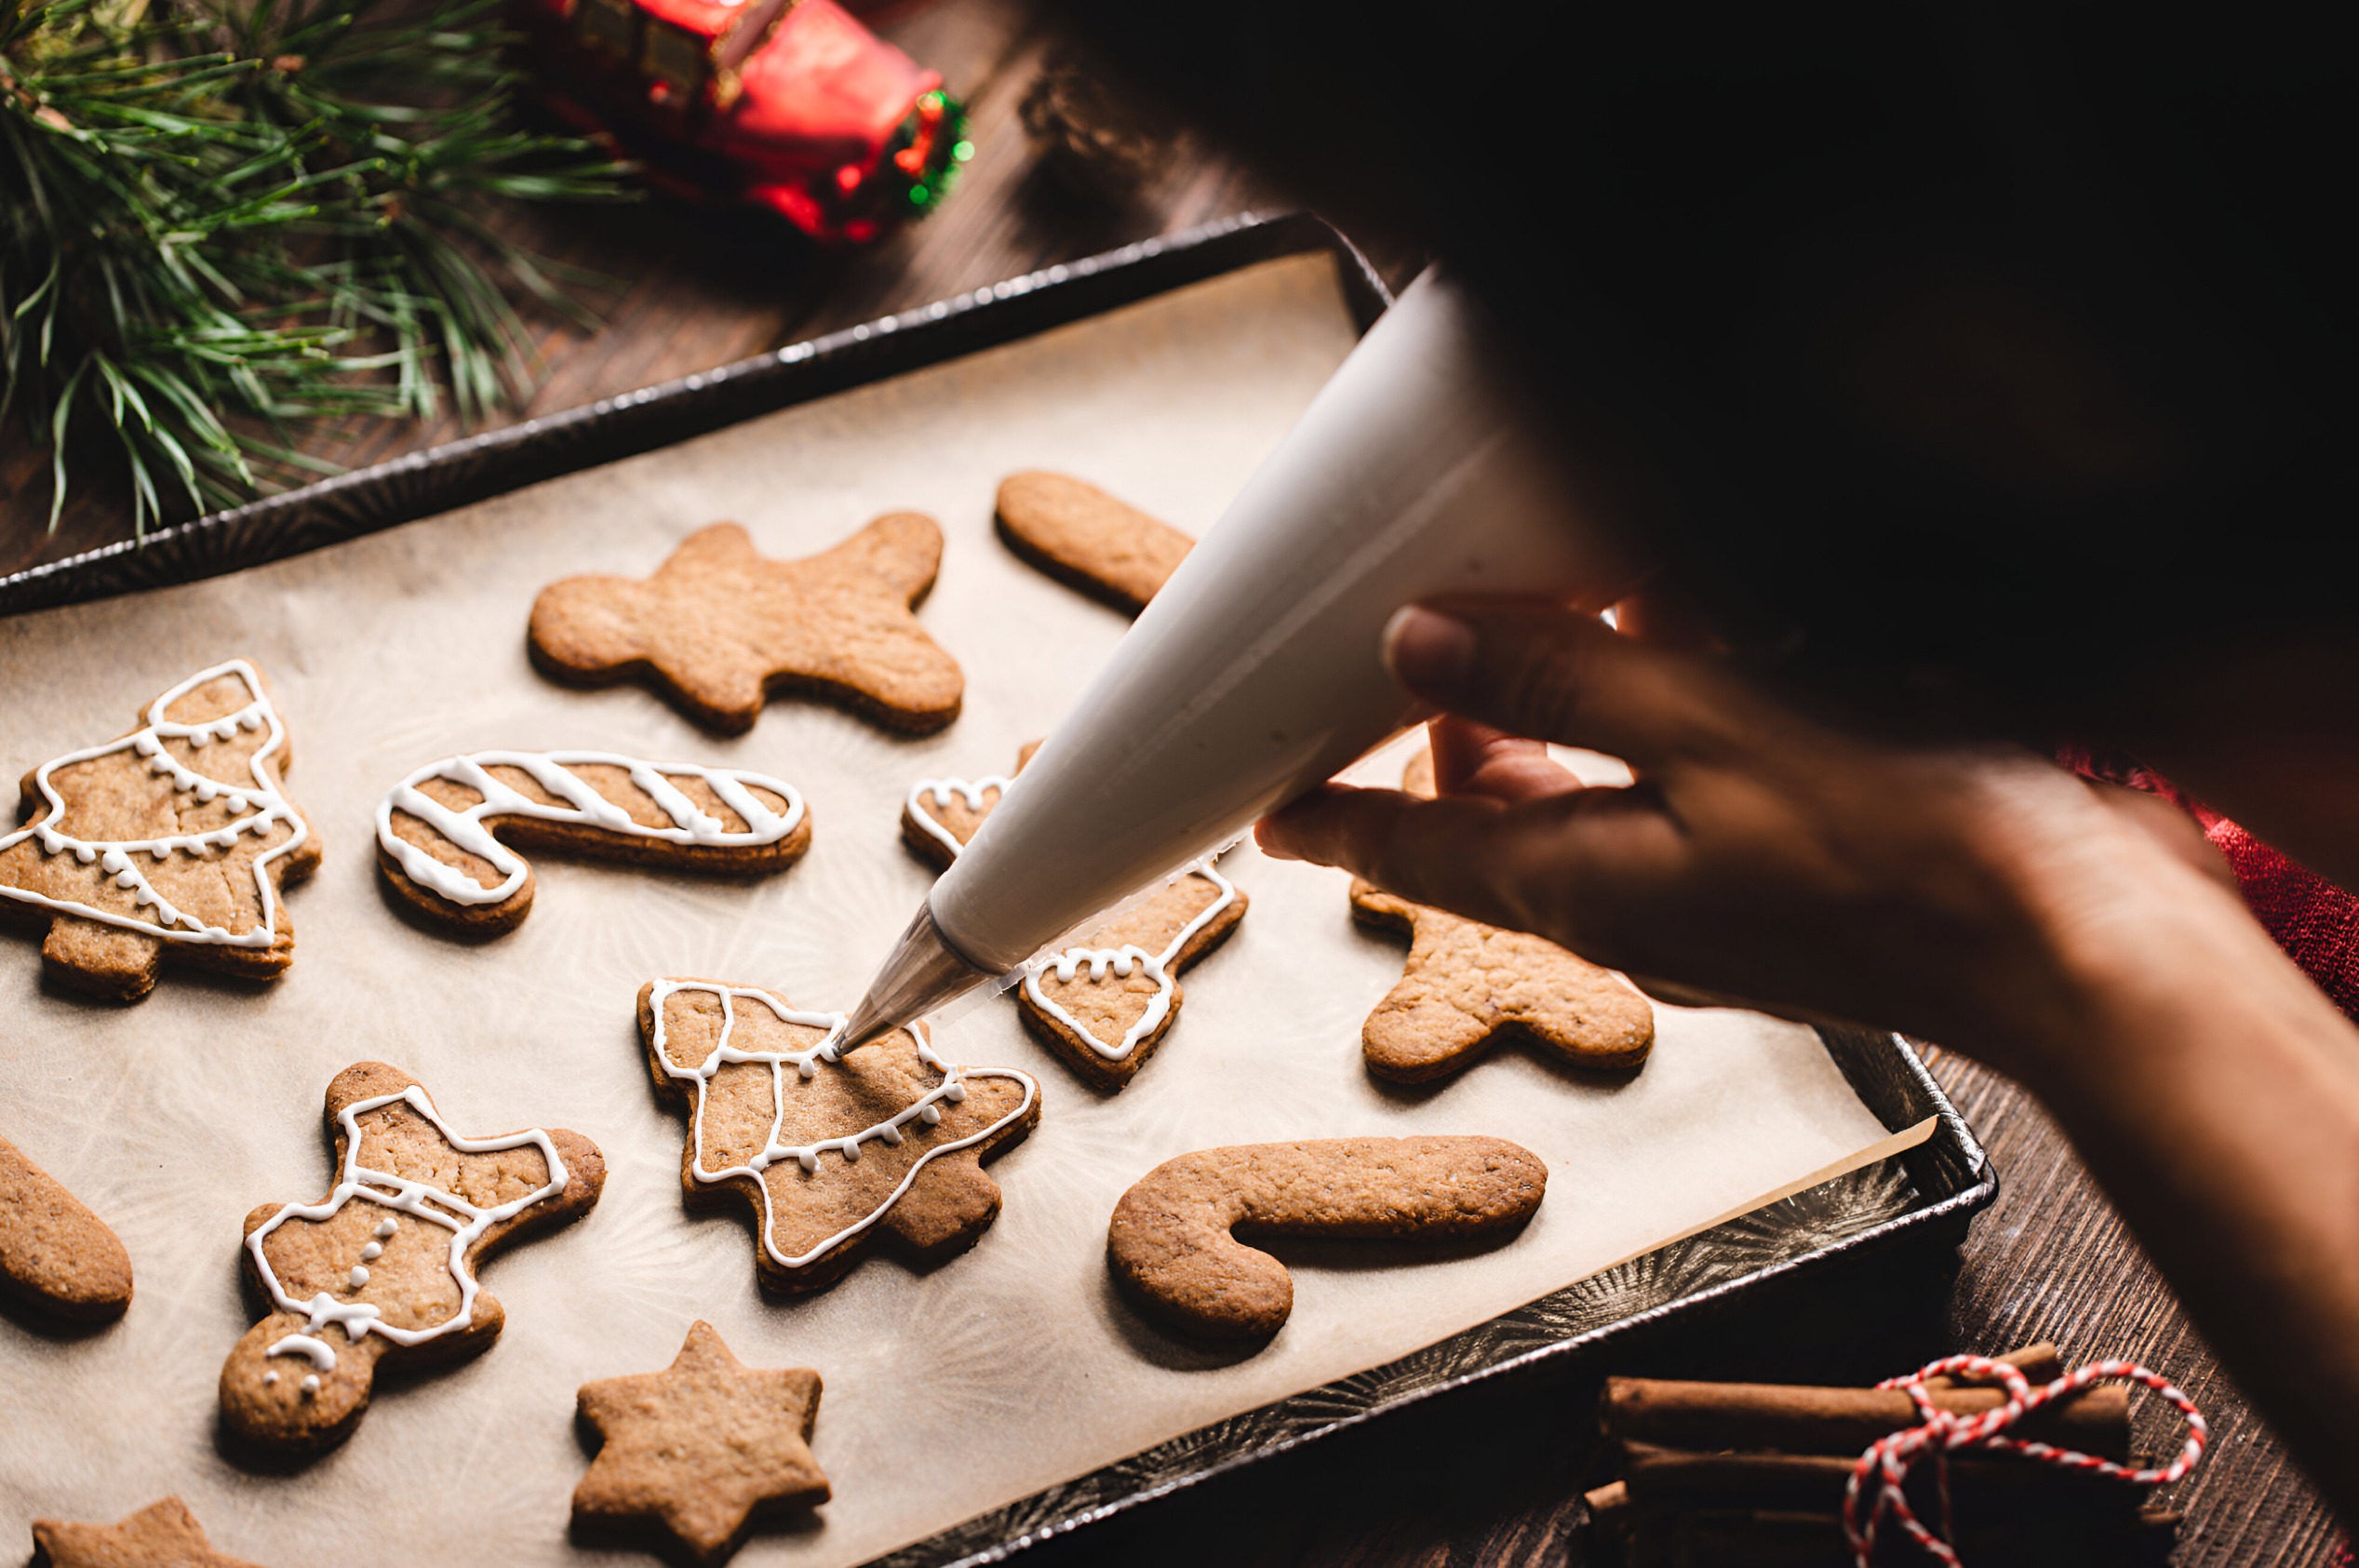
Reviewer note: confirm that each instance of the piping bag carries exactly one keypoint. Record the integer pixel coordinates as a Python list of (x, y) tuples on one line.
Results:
[(1256, 673)]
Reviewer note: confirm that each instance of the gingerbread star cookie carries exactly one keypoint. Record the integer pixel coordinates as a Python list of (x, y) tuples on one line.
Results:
[(56, 1256), (829, 1153), (447, 835), (1105, 1005), (1467, 986), (719, 626), (173, 841), (700, 1448), (382, 1269), (163, 1534), (1086, 538)]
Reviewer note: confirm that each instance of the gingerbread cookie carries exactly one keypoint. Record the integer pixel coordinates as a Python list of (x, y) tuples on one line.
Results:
[(1085, 539), (1102, 1006), (174, 841), (829, 1153), (382, 1269), (163, 1534), (1467, 986), (447, 834), (56, 1255), (698, 1450), (1170, 1243), (719, 626)]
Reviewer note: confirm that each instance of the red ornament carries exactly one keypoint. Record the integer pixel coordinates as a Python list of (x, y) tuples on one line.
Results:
[(790, 105)]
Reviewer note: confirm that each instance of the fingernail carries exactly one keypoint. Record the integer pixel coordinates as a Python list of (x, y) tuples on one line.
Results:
[(1429, 651)]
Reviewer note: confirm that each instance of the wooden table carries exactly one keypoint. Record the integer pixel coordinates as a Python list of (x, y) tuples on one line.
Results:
[(2052, 1261)]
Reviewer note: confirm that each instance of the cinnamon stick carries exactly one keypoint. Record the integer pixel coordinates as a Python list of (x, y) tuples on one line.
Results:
[(2039, 1363), (1795, 1419), (1663, 1479)]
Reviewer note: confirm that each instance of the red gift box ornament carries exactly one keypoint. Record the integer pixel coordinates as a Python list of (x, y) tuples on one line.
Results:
[(788, 104)]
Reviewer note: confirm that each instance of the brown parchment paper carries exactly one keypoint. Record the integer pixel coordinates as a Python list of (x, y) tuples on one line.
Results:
[(946, 1392)]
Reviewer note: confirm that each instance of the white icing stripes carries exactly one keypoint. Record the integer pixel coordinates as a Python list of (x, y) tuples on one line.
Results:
[(1120, 961), (583, 806), (465, 1222), (926, 1110), (255, 807)]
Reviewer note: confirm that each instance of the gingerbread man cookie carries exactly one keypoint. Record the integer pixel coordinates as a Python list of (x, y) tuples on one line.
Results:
[(447, 834), (1085, 539), (1171, 1242), (173, 841), (1466, 986), (56, 1256), (828, 1153), (163, 1534), (699, 1450), (1102, 1006), (719, 626), (382, 1269)]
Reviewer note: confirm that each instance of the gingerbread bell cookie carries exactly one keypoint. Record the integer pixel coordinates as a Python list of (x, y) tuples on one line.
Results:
[(700, 1450), (1467, 986), (163, 1534), (1088, 539), (174, 841), (1105, 1005), (382, 1269), (56, 1256), (830, 1153), (1174, 1251), (719, 627), (447, 835)]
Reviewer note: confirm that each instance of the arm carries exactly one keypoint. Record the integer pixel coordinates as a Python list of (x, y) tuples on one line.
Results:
[(2080, 940)]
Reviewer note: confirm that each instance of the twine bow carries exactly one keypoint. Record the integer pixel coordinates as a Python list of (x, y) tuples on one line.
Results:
[(1878, 1478)]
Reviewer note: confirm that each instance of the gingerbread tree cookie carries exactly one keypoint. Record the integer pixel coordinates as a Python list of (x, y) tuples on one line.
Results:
[(1102, 1006), (699, 1450), (56, 1256), (163, 1534), (1467, 986), (828, 1153), (173, 841), (447, 834), (1086, 538), (719, 626), (382, 1269)]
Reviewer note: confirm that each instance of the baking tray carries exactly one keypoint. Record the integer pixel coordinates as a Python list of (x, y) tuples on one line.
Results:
[(1925, 1196)]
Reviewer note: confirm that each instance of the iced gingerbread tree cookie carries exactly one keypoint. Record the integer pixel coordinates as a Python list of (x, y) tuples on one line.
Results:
[(382, 1269), (56, 1256), (1468, 987), (1102, 1006), (829, 1153), (719, 627), (172, 842), (447, 835), (1088, 539)]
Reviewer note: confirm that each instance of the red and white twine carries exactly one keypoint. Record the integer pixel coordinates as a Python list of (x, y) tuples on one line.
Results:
[(1877, 1480)]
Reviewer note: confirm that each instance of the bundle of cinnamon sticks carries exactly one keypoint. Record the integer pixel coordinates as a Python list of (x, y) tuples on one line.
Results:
[(1749, 1475)]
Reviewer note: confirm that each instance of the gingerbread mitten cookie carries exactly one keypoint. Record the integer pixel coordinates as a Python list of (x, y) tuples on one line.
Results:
[(1171, 1242), (1085, 539), (382, 1269), (719, 626), (163, 1534), (55, 1255), (829, 1153), (173, 842), (1466, 986), (699, 1450), (447, 834), (1102, 1006)]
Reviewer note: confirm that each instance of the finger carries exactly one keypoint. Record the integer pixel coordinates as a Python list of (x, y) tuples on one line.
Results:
[(1470, 759), (2168, 825)]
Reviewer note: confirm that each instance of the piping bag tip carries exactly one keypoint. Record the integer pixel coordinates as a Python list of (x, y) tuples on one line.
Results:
[(921, 973)]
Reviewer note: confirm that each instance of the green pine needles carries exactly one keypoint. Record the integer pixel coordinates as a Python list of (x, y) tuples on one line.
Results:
[(219, 218)]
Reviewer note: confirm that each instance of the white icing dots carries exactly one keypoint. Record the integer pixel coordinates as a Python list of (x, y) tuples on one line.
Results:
[(386, 1226), (269, 1379), (311, 1383), (372, 1252), (357, 1278)]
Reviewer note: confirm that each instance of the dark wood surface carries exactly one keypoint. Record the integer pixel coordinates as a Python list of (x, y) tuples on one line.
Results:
[(1501, 1487)]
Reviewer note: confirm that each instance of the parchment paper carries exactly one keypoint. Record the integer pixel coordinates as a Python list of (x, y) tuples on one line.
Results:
[(948, 1392)]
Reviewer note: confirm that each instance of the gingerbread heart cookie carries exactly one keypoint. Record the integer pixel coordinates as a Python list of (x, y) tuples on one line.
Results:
[(1086, 540), (719, 627), (447, 834), (1467, 986), (56, 1256), (174, 841), (382, 1269), (829, 1153)]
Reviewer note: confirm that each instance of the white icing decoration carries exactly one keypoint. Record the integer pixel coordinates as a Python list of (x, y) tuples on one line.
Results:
[(359, 1277), (387, 1226), (317, 1351), (941, 791), (311, 1383), (269, 1378), (258, 807), (584, 807), (926, 1108), (372, 1252), (360, 1318)]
